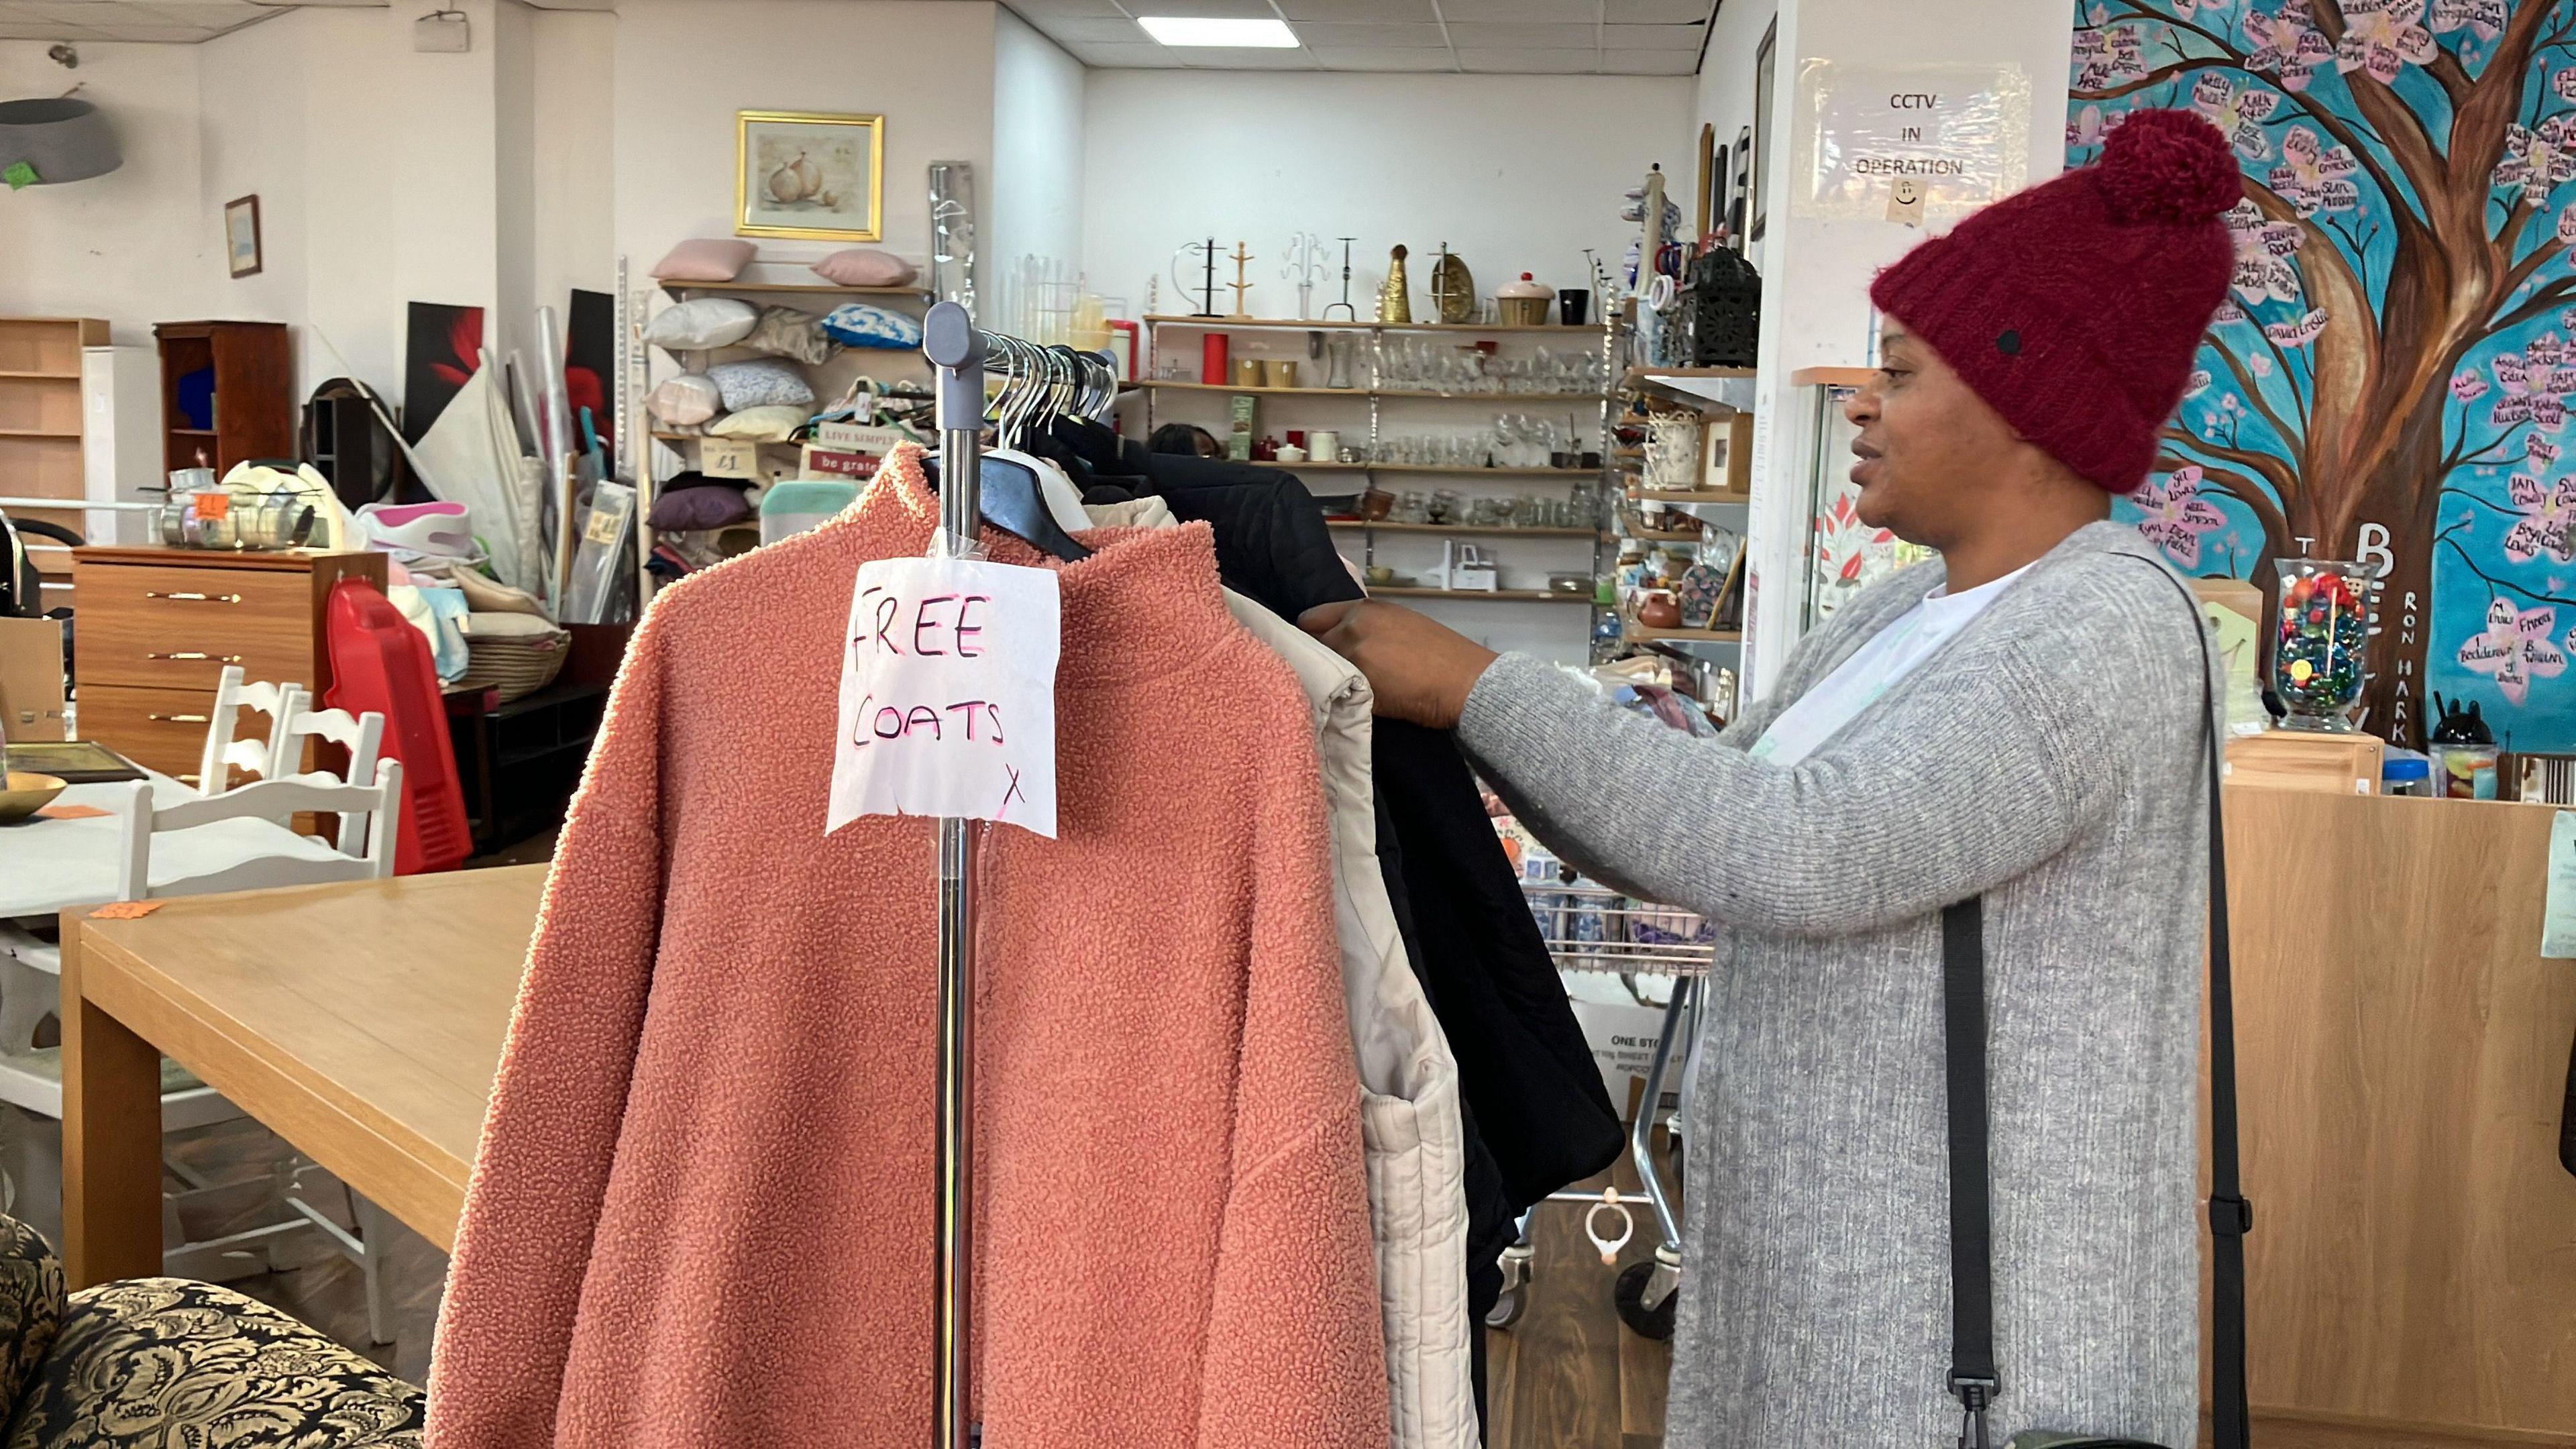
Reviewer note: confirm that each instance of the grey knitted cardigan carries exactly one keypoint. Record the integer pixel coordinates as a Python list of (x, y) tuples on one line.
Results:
[(2047, 757)]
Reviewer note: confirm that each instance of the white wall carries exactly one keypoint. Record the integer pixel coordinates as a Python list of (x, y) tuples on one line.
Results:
[(1725, 96), (375, 169), (1035, 191), (1516, 173), (139, 245), (683, 68), (1816, 272), (575, 216)]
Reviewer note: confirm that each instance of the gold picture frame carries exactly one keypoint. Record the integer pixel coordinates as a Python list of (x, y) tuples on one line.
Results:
[(797, 174)]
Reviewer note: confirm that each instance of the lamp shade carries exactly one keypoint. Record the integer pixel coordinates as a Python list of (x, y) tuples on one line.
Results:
[(62, 139)]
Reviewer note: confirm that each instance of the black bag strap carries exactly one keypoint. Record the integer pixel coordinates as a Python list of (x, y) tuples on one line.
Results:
[(1973, 1376)]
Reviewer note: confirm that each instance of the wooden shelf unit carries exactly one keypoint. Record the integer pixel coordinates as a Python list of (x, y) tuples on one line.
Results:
[(1638, 633), (1494, 397), (1482, 530), (811, 289), (1695, 495), (1290, 324), (1438, 468), (254, 393), (41, 451), (1496, 596)]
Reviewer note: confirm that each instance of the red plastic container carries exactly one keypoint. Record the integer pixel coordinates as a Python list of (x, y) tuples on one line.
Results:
[(380, 662)]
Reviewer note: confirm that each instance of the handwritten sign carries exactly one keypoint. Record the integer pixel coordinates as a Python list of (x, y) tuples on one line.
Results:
[(948, 694)]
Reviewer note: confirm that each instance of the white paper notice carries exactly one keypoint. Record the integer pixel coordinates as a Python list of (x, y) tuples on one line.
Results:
[(948, 694)]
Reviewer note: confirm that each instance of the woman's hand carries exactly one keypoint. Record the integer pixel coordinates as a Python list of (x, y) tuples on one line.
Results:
[(1419, 670)]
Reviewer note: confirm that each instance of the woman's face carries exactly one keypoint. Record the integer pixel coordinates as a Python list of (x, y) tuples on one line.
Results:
[(1929, 448)]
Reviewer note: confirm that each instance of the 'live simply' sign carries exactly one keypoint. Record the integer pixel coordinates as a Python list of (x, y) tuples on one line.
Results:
[(948, 694)]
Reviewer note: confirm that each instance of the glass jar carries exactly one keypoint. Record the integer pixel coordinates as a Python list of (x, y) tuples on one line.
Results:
[(2320, 648)]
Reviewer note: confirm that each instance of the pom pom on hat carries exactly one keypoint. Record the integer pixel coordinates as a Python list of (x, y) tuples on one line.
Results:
[(2168, 166), (2074, 308)]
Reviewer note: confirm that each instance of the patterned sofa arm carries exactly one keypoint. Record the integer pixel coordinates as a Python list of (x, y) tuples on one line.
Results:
[(166, 1361), (31, 1307)]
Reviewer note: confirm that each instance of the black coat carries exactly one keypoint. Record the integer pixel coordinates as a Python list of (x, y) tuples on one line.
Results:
[(1538, 1115)]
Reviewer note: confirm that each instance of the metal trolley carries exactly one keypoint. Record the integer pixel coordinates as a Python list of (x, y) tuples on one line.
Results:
[(1592, 928)]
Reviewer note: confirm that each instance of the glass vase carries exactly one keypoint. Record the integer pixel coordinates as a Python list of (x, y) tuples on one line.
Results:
[(2320, 648)]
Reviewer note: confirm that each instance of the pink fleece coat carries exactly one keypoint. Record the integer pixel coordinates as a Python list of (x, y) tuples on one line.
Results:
[(702, 1210)]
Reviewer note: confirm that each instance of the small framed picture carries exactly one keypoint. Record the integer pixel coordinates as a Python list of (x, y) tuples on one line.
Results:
[(804, 174), (241, 235)]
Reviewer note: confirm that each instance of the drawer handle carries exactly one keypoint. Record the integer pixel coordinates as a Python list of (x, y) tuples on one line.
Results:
[(197, 654), (179, 718), (194, 598), (187, 779)]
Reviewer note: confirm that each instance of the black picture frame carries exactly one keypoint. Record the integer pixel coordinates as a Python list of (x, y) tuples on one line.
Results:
[(1765, 88)]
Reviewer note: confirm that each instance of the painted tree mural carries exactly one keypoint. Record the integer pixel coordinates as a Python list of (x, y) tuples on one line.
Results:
[(2392, 373)]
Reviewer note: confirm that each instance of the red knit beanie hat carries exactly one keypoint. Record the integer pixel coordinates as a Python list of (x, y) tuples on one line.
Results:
[(2074, 308)]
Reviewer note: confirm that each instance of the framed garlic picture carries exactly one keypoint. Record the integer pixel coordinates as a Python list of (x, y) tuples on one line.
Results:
[(804, 174)]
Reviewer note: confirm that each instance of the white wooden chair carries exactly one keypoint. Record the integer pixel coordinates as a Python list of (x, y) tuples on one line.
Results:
[(222, 751), (362, 736), (374, 812)]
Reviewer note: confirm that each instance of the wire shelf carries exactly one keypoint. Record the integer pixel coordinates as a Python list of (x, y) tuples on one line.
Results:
[(1593, 928)]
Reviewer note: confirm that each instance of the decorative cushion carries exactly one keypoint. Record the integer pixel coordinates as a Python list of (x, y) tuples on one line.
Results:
[(759, 383), (764, 425), (705, 259), (31, 1307), (154, 1362), (684, 401), (865, 267), (706, 322), (857, 324), (695, 508), (788, 332)]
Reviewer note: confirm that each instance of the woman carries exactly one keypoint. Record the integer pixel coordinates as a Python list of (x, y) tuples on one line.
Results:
[(2020, 721)]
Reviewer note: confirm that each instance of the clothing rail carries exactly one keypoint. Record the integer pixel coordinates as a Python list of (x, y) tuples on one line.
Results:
[(957, 351), (1065, 381)]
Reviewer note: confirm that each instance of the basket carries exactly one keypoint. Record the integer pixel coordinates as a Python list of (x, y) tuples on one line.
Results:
[(517, 654)]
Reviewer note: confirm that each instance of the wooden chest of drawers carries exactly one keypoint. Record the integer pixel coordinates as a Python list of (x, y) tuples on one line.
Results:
[(153, 629)]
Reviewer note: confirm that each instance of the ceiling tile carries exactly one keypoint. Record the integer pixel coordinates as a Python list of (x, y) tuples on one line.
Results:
[(1529, 61), (1343, 35), (1205, 9), (1410, 58), (1650, 62), (1656, 12), (1386, 11), (1562, 11), (1224, 57), (1121, 55), (1486, 35), (1066, 30), (171, 34), (1038, 11), (1651, 37)]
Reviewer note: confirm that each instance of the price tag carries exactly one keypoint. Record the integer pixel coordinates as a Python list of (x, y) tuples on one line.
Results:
[(948, 694), (211, 506), (729, 458), (603, 527)]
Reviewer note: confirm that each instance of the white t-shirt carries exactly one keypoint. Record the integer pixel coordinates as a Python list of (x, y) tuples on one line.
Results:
[(1873, 669)]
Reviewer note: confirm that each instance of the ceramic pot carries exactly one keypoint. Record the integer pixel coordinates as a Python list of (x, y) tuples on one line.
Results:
[(1660, 611)]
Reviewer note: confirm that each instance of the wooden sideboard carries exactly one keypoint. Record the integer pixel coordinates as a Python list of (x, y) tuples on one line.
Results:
[(156, 626), (2404, 1058)]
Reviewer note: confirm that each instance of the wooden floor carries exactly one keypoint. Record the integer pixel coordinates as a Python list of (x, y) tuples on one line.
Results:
[(1569, 1374)]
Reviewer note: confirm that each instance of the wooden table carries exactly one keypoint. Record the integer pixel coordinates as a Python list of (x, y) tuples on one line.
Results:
[(361, 1022)]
